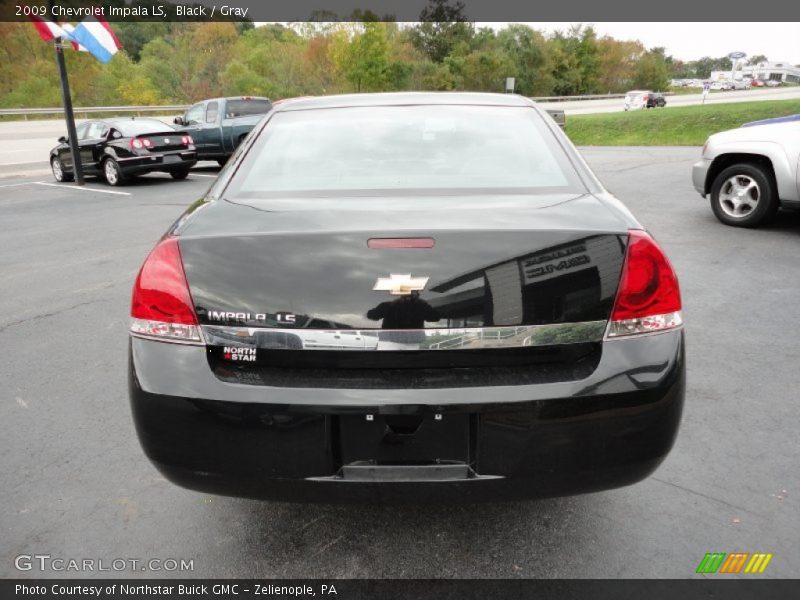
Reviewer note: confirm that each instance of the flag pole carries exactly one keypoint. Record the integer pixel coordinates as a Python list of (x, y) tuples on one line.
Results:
[(71, 133)]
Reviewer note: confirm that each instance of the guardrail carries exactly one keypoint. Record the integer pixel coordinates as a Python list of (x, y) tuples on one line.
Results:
[(178, 108), (458, 342), (26, 112)]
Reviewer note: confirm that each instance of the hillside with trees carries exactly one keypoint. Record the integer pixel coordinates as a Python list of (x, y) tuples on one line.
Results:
[(166, 63)]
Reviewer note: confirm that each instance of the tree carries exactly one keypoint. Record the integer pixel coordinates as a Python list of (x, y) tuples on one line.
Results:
[(530, 55), (576, 62), (617, 63), (364, 60), (758, 58), (442, 25), (651, 71)]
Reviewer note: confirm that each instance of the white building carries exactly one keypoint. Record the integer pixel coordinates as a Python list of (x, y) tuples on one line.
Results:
[(766, 71)]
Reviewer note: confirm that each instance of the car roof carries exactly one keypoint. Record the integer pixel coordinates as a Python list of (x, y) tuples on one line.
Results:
[(403, 99)]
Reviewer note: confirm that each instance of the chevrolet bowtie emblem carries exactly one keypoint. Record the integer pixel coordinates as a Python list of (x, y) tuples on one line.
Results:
[(400, 285), (166, 140)]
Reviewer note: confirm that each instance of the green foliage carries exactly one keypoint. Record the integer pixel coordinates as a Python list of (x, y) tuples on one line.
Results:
[(179, 63), (442, 26), (651, 71)]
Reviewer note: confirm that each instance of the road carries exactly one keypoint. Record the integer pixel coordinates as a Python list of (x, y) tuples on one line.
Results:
[(585, 107), (31, 157), (75, 483)]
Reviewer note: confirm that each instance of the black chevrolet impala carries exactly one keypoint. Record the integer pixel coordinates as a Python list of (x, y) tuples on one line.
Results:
[(406, 297), (118, 149)]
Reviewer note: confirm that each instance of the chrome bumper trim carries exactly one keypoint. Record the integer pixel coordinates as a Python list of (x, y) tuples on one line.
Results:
[(470, 338)]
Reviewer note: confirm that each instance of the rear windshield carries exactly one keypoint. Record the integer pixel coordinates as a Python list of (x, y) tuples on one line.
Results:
[(140, 127), (403, 148), (240, 108)]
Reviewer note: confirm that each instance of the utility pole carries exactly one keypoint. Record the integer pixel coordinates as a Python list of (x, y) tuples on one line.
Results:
[(73, 136)]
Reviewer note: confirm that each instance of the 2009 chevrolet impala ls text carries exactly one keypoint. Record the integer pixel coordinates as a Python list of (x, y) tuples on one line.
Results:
[(406, 297)]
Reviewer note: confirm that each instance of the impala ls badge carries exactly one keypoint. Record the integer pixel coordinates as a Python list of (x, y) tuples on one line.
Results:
[(400, 285)]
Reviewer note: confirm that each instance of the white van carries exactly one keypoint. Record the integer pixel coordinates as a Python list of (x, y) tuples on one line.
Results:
[(636, 99)]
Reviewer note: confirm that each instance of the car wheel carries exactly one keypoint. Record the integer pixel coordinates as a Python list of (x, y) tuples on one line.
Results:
[(180, 174), (744, 195), (112, 172), (58, 170)]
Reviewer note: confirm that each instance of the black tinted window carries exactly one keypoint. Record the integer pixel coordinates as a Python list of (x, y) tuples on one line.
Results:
[(405, 147), (240, 108), (140, 127)]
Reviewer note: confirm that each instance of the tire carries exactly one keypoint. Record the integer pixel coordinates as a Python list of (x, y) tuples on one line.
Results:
[(112, 173), (180, 174), (744, 195), (58, 171)]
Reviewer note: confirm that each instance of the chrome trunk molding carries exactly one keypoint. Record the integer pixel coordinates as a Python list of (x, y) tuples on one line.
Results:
[(469, 338)]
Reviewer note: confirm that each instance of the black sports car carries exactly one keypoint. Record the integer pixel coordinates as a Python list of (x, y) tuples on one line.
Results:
[(406, 297), (117, 149)]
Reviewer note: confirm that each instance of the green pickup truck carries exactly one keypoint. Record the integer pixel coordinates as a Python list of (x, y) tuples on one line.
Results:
[(219, 125)]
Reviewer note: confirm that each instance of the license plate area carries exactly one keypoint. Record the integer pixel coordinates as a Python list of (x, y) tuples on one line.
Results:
[(171, 158), (404, 439)]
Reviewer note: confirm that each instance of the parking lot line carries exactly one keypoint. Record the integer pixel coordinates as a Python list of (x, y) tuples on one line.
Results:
[(203, 175), (8, 185), (80, 189)]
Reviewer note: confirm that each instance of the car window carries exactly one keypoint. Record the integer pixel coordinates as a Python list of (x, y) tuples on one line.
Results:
[(95, 130), (80, 132), (406, 147), (194, 115), (240, 108), (211, 112), (132, 127)]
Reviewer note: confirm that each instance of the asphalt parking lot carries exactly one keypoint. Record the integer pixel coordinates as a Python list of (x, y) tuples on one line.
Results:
[(75, 483)]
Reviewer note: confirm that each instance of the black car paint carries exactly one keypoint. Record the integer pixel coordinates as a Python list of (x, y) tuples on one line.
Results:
[(550, 422), (330, 276), (95, 150), (656, 100), (606, 430)]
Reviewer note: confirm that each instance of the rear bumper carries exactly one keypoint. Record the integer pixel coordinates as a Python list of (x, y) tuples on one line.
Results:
[(699, 174), (165, 161), (497, 443)]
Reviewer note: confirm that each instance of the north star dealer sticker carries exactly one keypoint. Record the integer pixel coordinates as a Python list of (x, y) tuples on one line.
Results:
[(236, 354)]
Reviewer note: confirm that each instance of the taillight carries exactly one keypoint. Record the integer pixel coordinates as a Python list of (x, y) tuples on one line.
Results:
[(141, 143), (187, 140), (161, 305), (648, 299)]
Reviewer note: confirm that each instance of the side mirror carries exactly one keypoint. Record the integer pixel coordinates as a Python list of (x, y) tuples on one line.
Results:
[(178, 121), (62, 140)]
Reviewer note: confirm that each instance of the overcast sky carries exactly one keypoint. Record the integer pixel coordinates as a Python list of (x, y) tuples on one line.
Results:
[(688, 41)]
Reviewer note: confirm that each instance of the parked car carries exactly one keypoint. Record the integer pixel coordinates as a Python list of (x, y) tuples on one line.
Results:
[(655, 99), (750, 172), (636, 99), (219, 125), (742, 84), (118, 149), (529, 330), (773, 83)]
